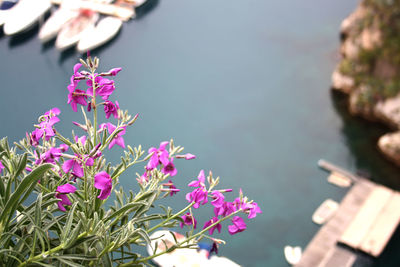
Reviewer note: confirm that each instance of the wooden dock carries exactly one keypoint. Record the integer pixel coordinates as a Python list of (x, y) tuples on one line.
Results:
[(367, 217)]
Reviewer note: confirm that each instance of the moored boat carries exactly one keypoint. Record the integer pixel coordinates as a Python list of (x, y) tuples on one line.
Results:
[(292, 254), (73, 31), (24, 15), (5, 8), (325, 211), (68, 10), (105, 30)]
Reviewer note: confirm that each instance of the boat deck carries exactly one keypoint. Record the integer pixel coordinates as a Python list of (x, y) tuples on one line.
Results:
[(366, 219)]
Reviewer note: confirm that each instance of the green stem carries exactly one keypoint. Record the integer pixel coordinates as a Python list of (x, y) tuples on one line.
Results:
[(45, 254)]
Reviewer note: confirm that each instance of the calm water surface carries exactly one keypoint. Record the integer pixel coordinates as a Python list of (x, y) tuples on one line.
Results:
[(243, 85)]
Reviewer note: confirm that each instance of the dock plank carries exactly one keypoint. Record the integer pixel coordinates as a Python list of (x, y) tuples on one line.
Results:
[(338, 256), (366, 216), (379, 235), (326, 238)]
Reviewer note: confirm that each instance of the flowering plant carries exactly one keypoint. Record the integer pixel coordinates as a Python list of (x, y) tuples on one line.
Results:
[(53, 196)]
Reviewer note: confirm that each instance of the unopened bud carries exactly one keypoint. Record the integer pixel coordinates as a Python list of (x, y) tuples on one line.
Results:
[(133, 120)]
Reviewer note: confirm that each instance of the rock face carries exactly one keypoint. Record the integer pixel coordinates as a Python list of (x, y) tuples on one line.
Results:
[(370, 68)]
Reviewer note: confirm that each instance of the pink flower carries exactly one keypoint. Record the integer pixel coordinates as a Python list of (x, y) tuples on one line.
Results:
[(211, 222), (75, 97), (226, 209), (253, 210), (61, 194), (118, 139), (169, 168), (218, 199), (104, 87), (103, 181), (111, 109), (199, 196), (50, 156), (160, 155), (81, 140), (144, 178), (200, 180), (188, 219), (45, 127), (238, 225), (171, 188), (114, 71), (187, 156), (1, 167), (76, 165)]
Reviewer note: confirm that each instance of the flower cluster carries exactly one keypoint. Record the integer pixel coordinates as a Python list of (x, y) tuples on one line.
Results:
[(79, 177), (199, 196)]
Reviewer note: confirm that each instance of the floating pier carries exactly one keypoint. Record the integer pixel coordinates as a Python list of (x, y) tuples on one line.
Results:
[(366, 219)]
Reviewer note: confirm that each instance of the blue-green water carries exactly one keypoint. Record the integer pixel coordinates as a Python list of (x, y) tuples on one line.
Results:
[(243, 85)]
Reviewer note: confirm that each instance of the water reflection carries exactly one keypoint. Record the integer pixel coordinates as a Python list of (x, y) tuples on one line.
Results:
[(361, 138), (148, 6), (23, 37)]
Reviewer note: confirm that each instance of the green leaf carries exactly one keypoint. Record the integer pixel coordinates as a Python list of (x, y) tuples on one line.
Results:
[(125, 209), (68, 224), (25, 187), (21, 165)]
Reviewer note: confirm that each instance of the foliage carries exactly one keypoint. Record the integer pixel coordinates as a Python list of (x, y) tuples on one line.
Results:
[(54, 208)]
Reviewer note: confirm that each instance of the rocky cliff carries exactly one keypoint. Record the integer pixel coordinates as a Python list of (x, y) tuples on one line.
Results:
[(369, 71)]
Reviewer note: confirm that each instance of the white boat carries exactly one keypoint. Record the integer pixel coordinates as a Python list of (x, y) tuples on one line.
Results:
[(24, 15), (135, 3), (292, 254), (76, 28), (5, 8), (105, 30), (67, 11), (325, 211), (339, 180), (182, 257)]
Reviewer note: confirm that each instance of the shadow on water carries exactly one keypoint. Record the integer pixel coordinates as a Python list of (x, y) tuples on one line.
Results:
[(64, 55), (146, 8), (49, 44), (361, 137), (24, 37)]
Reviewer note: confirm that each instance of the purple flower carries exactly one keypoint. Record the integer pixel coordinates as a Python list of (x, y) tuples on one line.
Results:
[(169, 168), (81, 140), (104, 87), (226, 209), (211, 222), (160, 155), (66, 189), (75, 97), (144, 178), (200, 180), (111, 109), (45, 127), (118, 140), (219, 199), (50, 156), (114, 71), (103, 181), (188, 219), (199, 196), (1, 167), (171, 188), (238, 225), (253, 210), (187, 156), (61, 194), (75, 165)]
